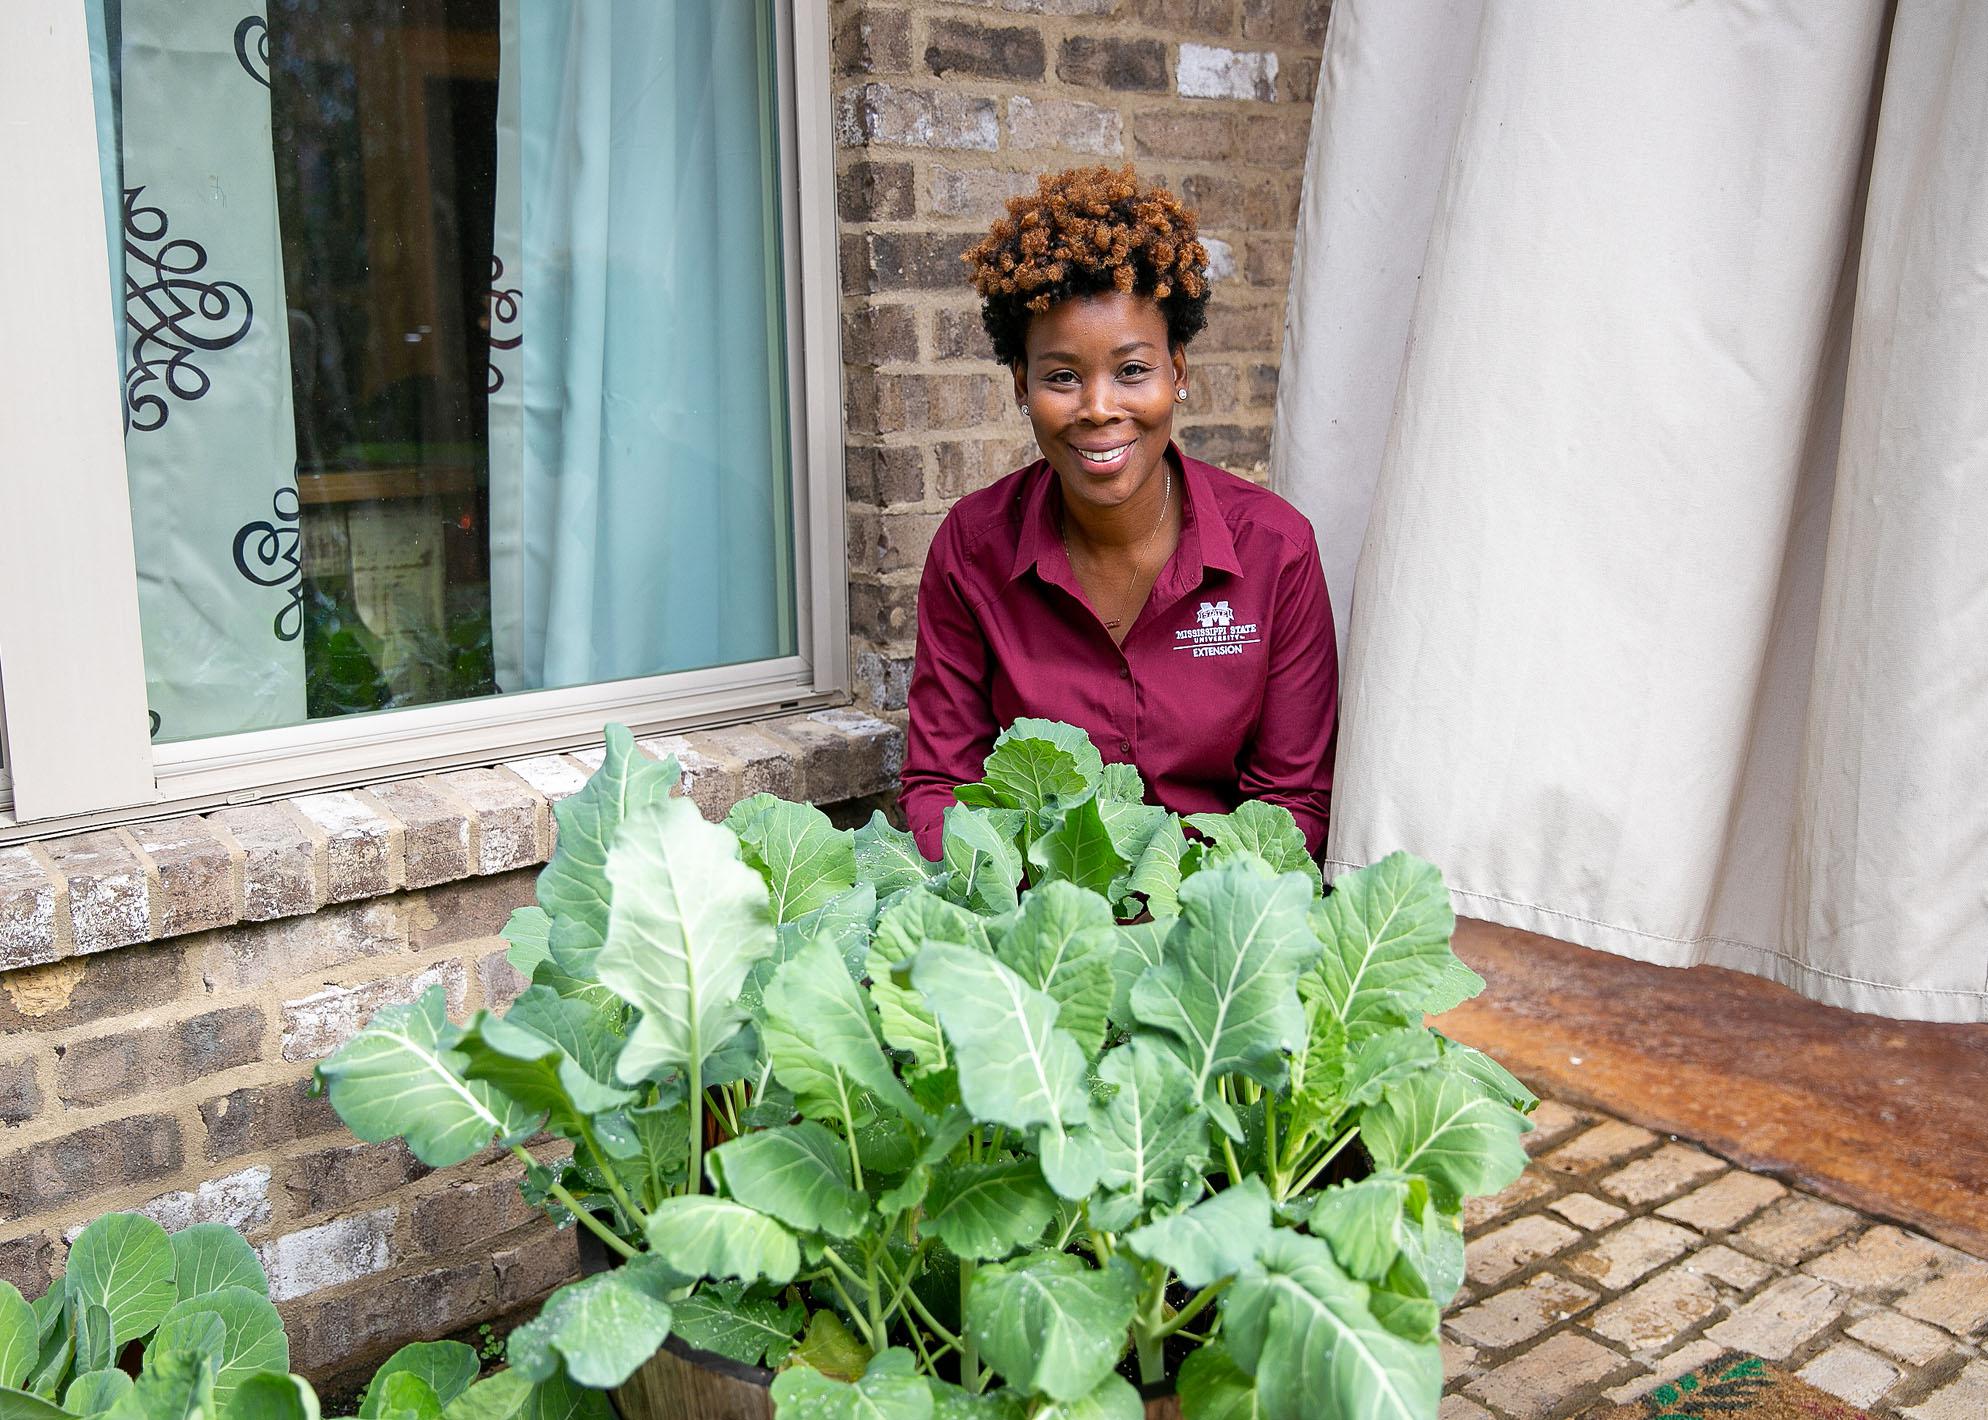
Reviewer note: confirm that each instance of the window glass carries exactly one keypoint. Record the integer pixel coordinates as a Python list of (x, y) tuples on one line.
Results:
[(453, 346)]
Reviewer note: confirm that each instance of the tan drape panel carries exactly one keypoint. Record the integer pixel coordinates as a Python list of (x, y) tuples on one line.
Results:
[(1638, 360)]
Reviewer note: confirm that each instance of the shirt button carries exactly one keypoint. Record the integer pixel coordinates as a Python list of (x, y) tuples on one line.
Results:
[(1125, 746), (1125, 672)]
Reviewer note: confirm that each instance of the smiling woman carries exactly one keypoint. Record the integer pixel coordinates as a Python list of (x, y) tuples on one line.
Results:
[(1174, 611)]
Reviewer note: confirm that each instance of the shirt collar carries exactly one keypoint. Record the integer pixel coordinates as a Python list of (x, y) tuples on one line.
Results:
[(1205, 540)]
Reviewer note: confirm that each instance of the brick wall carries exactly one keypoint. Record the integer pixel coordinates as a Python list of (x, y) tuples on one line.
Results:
[(944, 109)]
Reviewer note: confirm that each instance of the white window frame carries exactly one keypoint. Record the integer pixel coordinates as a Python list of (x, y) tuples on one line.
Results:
[(70, 649)]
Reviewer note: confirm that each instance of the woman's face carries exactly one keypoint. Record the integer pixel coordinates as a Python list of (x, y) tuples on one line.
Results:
[(1099, 384)]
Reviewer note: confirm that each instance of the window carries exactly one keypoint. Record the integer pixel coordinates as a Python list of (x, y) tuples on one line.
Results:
[(475, 379)]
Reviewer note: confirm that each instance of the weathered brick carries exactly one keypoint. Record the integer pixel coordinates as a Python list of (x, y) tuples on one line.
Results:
[(25, 1262), (1521, 1313), (1171, 132), (703, 774), (79, 1165), (129, 1062), (1260, 391), (1458, 1407), (256, 1118), (342, 1250), (256, 954), (1204, 71), (1658, 1311), (552, 776), (1882, 1259), (957, 334), (434, 830), (886, 474), (917, 118), (1965, 1397), (1232, 446), (969, 464), (903, 540), (1912, 1342), (844, 754), (362, 844), (1097, 62), (316, 1025), (1268, 262), (1221, 258), (764, 767), (913, 261), (872, 39), (467, 911), (1299, 82), (512, 821), (536, 1265), (1734, 1269), (500, 982), (346, 1332), (1537, 1382), (1481, 1209), (1587, 1212), (1060, 7), (878, 334), (199, 883), (469, 1211), (110, 898), (1666, 1368), (27, 909), (1243, 329), (1958, 1302), (1064, 126), (20, 1091), (1286, 21), (1780, 1319), (1604, 1144), (1725, 1202), (981, 194), (1207, 17), (1498, 1254), (1634, 1250), (875, 192), (281, 860), (1849, 1372), (1795, 1229), (883, 682), (1669, 1171), (883, 611), (328, 1180), (238, 1200), (985, 51)]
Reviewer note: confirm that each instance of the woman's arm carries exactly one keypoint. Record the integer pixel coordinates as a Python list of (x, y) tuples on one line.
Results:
[(1290, 760), (951, 705)]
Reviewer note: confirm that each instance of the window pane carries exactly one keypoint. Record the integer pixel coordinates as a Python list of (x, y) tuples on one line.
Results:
[(454, 356)]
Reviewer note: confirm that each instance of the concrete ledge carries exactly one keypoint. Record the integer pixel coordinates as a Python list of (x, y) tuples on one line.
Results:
[(117, 887)]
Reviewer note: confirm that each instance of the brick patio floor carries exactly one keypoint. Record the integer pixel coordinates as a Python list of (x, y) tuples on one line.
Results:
[(1622, 1258)]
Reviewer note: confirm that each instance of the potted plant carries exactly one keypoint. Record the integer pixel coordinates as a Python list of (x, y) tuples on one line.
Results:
[(1025, 1132), (143, 1325)]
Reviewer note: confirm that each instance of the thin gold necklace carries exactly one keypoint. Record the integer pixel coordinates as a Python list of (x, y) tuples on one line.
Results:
[(1166, 502)]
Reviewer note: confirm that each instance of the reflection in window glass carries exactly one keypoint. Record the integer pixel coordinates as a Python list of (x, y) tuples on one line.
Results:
[(453, 346)]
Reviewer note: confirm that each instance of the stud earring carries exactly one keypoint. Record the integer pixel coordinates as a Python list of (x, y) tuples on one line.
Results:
[(1181, 394), (1025, 411)]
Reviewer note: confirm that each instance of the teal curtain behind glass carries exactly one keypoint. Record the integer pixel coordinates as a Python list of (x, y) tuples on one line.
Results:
[(639, 482)]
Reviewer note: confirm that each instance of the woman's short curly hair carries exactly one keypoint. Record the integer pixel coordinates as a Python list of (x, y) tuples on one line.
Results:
[(1085, 232)]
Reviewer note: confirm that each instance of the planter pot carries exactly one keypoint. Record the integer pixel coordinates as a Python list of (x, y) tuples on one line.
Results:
[(681, 1382)]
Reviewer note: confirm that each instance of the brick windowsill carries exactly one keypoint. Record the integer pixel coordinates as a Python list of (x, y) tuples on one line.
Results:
[(116, 887)]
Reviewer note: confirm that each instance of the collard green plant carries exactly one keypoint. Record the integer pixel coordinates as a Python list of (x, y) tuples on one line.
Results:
[(998, 1135), (149, 1326)]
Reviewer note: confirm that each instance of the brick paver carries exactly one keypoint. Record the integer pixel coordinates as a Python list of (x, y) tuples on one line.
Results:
[(1622, 1259)]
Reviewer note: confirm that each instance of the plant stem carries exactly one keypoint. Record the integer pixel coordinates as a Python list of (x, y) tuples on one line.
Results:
[(879, 1333), (636, 1217), (969, 1351), (580, 1215), (1147, 1334), (855, 1313), (1229, 1156), (1327, 1157), (693, 1179), (1195, 1306), (932, 1323), (1269, 1127)]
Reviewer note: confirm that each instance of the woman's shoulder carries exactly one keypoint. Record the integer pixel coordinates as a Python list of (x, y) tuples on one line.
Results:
[(1250, 508), (994, 513)]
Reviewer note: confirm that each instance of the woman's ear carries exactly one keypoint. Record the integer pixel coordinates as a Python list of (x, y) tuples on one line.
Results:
[(1180, 367), (1021, 382)]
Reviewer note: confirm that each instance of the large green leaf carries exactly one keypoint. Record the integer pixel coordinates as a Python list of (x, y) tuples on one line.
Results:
[(446, 1367), (1496, 1081), (798, 1173), (891, 1389), (888, 858), (405, 1396), (1386, 930), (600, 1328), (806, 860), (1151, 1134), (1113, 1398), (94, 1392), (175, 1385), (210, 1256), (94, 1349), (1016, 1067), (1076, 847), (1216, 1238), (269, 1396), (1061, 941), (1443, 1127), (522, 1056), (1120, 783), (22, 1405), (986, 1212), (984, 867), (1266, 830), (1068, 738), (843, 922), (688, 923), (123, 1262), (1226, 990), (1302, 1327), (1213, 1387), (831, 1348), (20, 1340), (821, 1036), (750, 1330), (949, 1402), (1362, 1222), (1026, 772), (401, 1075), (575, 884), (1156, 873), (701, 1236), (1051, 1323), (529, 931), (252, 1337), (1137, 946)]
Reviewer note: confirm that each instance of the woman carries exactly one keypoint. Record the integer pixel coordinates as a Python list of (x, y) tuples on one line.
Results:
[(1175, 612)]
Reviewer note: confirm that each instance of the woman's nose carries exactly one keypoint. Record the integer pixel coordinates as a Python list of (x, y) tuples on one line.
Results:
[(1100, 403)]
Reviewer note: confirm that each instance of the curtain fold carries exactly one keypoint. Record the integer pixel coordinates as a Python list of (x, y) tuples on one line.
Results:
[(1633, 368), (639, 469)]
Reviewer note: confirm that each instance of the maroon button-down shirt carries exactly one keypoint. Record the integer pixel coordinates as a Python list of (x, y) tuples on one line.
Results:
[(1226, 688)]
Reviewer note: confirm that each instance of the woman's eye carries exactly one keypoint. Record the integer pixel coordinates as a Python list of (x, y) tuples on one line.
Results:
[(1134, 371)]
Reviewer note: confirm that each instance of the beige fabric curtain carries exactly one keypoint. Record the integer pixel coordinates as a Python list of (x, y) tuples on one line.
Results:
[(1637, 382)]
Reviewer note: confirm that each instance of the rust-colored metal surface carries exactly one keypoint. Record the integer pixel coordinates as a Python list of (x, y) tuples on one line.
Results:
[(1890, 1117)]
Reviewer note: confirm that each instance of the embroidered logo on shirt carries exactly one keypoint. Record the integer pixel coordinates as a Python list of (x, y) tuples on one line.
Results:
[(1216, 632)]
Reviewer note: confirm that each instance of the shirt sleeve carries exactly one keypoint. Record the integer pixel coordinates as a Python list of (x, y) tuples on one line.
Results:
[(1289, 761), (951, 707)]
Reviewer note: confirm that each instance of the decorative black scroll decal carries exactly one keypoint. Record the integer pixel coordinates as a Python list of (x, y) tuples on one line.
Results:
[(257, 29), (273, 549), (173, 314), (501, 314), (153, 716)]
